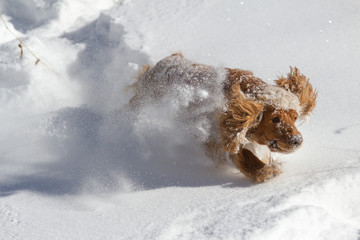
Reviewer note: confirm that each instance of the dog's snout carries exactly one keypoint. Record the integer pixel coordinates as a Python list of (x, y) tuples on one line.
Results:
[(296, 139)]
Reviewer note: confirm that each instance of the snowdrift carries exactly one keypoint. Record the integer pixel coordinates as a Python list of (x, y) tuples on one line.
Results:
[(76, 164)]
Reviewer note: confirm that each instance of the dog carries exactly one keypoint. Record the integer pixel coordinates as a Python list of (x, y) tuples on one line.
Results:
[(236, 116)]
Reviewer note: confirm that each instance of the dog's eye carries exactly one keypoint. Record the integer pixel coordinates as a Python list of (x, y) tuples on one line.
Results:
[(275, 120)]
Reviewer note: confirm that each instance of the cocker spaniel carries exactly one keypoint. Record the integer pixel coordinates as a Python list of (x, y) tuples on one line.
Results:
[(237, 117)]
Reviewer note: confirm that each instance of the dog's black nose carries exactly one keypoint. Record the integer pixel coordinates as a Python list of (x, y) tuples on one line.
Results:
[(296, 139)]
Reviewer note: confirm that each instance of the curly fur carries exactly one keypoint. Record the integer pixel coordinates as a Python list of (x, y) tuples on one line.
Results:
[(299, 85), (241, 115)]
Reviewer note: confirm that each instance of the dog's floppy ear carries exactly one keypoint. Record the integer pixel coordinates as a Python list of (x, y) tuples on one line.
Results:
[(241, 115), (298, 84)]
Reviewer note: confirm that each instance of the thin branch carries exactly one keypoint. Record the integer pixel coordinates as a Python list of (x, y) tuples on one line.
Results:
[(23, 45)]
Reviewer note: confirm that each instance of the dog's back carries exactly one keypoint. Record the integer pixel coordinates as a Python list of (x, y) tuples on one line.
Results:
[(174, 72), (194, 91)]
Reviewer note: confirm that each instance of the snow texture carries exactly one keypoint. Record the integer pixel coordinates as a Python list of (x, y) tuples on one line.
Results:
[(277, 97), (76, 164), (190, 92)]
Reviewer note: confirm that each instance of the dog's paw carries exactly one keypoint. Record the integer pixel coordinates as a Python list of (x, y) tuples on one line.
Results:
[(267, 172)]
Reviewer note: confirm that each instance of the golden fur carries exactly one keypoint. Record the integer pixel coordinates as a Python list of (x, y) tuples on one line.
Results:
[(255, 112), (239, 117), (300, 85)]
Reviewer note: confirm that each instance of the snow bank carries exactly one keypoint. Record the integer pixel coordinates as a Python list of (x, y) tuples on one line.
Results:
[(86, 139)]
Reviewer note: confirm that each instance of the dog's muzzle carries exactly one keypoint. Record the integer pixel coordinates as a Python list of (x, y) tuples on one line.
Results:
[(296, 140), (273, 144)]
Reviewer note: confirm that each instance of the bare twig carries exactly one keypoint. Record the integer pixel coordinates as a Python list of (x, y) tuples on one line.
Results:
[(23, 45), (21, 51)]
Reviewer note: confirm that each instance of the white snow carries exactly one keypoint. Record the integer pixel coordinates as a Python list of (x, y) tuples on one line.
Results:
[(76, 164), (261, 151), (279, 98), (191, 105)]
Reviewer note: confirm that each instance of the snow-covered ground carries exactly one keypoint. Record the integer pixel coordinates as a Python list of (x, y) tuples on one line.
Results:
[(74, 164)]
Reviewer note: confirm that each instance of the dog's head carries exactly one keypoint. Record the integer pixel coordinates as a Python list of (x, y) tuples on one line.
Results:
[(277, 130), (268, 114)]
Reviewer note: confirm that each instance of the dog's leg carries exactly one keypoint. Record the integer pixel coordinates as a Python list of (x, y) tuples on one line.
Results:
[(252, 167)]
